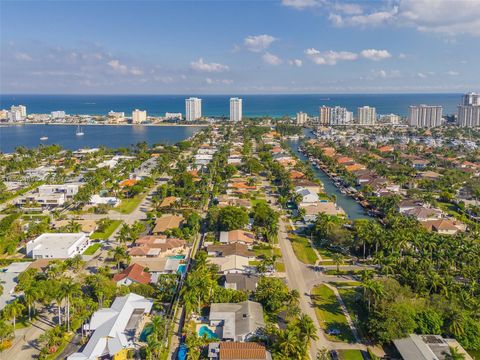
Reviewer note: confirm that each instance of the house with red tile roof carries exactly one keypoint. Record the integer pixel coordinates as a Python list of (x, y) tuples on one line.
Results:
[(133, 274)]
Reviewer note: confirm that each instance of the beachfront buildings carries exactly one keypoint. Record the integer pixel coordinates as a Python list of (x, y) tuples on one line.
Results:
[(116, 116), (193, 109), (366, 115), (301, 118), (139, 116), (469, 111), (390, 119), (425, 116), (57, 245), (115, 329), (340, 116), (235, 109), (59, 114), (324, 115), (16, 113)]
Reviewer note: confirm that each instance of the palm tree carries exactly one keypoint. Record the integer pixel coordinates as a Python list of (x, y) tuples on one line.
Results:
[(455, 354), (119, 255), (288, 344), (31, 294), (70, 289), (323, 354), (13, 310), (308, 331), (337, 260)]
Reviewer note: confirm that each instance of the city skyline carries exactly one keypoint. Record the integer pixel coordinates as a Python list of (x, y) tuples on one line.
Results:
[(289, 46)]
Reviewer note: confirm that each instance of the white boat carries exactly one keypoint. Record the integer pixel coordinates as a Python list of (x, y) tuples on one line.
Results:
[(43, 138), (79, 131)]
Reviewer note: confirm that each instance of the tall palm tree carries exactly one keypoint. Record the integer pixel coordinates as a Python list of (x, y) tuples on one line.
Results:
[(337, 260), (308, 330), (288, 344), (119, 255), (455, 354), (70, 289), (13, 310)]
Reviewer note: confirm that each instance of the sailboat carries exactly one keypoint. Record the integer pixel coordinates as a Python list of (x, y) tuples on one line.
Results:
[(79, 131), (43, 138)]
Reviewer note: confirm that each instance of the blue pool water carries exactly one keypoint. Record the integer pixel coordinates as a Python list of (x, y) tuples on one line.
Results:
[(204, 330), (177, 257), (147, 330), (182, 269)]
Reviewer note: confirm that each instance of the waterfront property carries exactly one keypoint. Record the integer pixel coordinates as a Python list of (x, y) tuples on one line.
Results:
[(115, 329)]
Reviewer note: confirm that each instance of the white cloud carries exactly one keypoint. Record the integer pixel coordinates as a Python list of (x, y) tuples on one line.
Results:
[(211, 81), (123, 69), (452, 17), (350, 9), (329, 57), (375, 55), (296, 62), (258, 43), (23, 56), (402, 56), (202, 66), (453, 73), (385, 74), (302, 4), (271, 59), (421, 75)]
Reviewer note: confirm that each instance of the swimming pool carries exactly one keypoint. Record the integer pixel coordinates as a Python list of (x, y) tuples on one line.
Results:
[(147, 330), (177, 257), (182, 268), (205, 330)]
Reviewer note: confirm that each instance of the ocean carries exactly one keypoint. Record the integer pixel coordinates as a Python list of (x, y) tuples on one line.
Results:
[(218, 105)]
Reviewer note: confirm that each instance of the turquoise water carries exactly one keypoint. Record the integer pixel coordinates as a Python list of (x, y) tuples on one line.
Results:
[(95, 135), (147, 330), (177, 257), (182, 269), (204, 330)]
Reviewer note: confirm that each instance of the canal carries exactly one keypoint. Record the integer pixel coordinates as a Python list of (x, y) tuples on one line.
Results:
[(352, 208)]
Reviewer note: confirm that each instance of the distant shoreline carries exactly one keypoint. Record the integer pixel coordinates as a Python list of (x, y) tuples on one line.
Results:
[(84, 124)]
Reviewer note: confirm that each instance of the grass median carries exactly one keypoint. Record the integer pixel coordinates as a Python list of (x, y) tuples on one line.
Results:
[(303, 249), (329, 314)]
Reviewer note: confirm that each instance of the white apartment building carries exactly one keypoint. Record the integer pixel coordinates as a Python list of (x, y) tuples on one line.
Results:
[(57, 114), (14, 116), (391, 119), (116, 116), (366, 115), (57, 245), (193, 109), (235, 109), (139, 116), (425, 116), (324, 115), (21, 108), (469, 115), (173, 116), (70, 190), (471, 99), (301, 118), (340, 116)]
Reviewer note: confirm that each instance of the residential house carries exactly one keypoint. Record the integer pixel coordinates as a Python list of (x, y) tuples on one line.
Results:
[(167, 222), (244, 282), (408, 204), (423, 214), (9, 280), (427, 347), (307, 196), (323, 207), (115, 329), (441, 226), (231, 263), (308, 184), (237, 351), (237, 322), (157, 245), (135, 273), (57, 245), (419, 164), (237, 236), (230, 249)]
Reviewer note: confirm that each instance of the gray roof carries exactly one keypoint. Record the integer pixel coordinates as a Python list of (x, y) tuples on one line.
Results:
[(238, 319), (422, 347), (246, 282)]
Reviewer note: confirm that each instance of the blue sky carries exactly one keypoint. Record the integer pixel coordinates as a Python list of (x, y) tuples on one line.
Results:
[(216, 47)]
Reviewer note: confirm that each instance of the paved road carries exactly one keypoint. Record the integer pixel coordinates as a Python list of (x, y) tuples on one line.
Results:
[(25, 345)]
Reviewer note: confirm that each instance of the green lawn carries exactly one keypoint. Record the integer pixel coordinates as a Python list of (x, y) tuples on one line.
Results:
[(257, 201), (350, 355), (127, 206), (105, 234), (330, 315), (351, 297), (92, 249), (280, 266), (303, 249), (343, 272)]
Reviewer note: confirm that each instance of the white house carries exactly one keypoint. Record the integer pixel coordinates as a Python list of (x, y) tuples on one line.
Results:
[(107, 200), (57, 245), (308, 196), (70, 190), (114, 328)]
